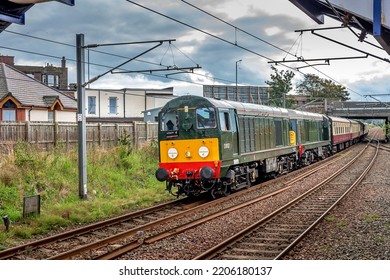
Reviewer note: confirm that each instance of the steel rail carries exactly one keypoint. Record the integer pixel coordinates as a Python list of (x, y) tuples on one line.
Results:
[(75, 232), (179, 229), (95, 226), (220, 247), (357, 182)]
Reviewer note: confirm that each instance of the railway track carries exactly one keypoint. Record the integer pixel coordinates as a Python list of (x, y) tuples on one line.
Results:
[(171, 231), (103, 228), (113, 238), (384, 148), (276, 234)]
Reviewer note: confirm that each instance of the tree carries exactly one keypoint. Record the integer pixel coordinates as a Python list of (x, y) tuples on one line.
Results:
[(318, 88), (280, 84)]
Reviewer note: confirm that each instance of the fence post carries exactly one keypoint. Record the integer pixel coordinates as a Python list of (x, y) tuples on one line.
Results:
[(135, 134), (116, 140), (27, 136), (67, 139), (147, 131), (92, 127), (55, 136), (100, 135)]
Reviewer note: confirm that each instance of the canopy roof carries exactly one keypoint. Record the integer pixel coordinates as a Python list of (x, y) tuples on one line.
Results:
[(12, 11), (369, 16)]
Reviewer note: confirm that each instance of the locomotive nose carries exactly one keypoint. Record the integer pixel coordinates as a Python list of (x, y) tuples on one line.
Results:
[(162, 174)]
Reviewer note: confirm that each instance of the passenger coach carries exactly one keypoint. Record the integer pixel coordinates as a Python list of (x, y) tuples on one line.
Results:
[(345, 132)]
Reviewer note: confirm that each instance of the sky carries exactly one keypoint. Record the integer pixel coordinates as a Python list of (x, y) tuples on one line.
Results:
[(252, 34)]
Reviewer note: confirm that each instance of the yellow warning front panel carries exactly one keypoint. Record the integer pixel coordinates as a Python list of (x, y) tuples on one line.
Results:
[(192, 150)]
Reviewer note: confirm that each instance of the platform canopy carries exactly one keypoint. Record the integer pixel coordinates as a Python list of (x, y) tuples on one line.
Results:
[(369, 16), (12, 11)]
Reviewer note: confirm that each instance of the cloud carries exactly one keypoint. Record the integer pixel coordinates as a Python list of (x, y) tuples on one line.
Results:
[(215, 50)]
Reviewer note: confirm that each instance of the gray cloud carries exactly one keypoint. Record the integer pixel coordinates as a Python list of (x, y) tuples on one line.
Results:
[(120, 21)]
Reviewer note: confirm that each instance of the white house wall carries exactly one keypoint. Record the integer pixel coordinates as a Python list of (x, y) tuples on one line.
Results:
[(37, 115), (135, 104), (43, 116), (157, 101), (104, 104), (64, 116), (130, 102)]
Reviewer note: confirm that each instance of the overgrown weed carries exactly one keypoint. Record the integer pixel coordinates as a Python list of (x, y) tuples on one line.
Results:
[(118, 179)]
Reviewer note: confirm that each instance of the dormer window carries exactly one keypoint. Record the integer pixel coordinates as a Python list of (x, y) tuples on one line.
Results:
[(9, 104)]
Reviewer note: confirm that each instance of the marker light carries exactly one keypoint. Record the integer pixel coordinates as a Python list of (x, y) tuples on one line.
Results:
[(172, 153), (203, 151)]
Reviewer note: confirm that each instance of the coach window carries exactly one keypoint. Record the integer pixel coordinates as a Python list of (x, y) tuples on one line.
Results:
[(205, 118)]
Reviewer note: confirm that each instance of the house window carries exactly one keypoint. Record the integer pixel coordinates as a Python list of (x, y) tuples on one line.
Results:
[(9, 111), (9, 115), (92, 105), (112, 103), (50, 116)]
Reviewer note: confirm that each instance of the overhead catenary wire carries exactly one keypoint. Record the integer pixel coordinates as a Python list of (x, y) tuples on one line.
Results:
[(200, 30), (74, 46), (237, 45), (105, 53), (106, 66), (289, 51), (110, 67), (214, 78), (118, 91), (238, 29), (207, 33), (110, 54)]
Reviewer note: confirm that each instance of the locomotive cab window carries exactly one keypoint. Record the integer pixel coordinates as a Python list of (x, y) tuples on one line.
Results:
[(225, 121), (205, 118), (170, 121)]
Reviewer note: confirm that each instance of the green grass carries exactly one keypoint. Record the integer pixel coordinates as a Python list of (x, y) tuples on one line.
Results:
[(338, 223), (119, 179), (371, 218)]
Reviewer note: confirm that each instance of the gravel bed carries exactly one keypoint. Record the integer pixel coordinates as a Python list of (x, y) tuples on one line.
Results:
[(358, 228), (243, 196), (191, 243)]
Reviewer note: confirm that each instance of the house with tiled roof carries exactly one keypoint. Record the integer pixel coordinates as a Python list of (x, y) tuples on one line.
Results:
[(22, 98)]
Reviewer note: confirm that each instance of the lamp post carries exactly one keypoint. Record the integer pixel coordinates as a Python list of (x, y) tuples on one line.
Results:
[(236, 78)]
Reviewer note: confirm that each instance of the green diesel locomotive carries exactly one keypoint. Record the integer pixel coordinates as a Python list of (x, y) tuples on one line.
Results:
[(219, 146)]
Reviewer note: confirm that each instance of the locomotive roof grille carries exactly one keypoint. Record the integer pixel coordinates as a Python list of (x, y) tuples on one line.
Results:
[(194, 101), (242, 108)]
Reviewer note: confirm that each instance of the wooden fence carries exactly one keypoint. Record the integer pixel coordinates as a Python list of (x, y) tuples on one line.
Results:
[(49, 135)]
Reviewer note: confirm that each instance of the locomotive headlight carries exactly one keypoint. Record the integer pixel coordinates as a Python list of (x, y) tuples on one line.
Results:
[(172, 153), (203, 151)]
